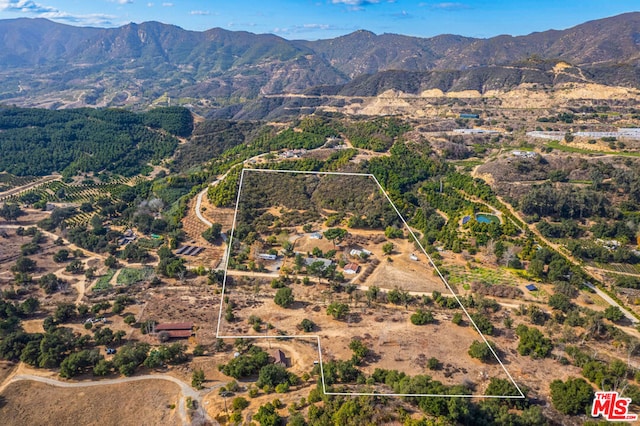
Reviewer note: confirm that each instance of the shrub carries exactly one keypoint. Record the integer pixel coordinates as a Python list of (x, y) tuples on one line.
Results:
[(422, 317)]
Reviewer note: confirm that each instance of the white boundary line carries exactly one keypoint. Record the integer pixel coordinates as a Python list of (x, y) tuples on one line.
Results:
[(312, 336)]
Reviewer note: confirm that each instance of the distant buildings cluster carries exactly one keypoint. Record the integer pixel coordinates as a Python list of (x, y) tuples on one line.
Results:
[(623, 132)]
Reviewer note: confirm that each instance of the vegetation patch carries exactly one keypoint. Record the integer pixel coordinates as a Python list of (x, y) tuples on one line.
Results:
[(103, 282), (130, 276)]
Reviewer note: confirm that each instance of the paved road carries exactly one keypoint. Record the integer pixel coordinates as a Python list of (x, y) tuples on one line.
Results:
[(187, 391), (612, 302)]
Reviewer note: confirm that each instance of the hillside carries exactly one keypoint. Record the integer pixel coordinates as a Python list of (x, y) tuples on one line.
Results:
[(51, 65), (39, 142)]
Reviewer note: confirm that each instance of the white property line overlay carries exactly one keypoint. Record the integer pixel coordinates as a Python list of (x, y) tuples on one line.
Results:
[(311, 336)]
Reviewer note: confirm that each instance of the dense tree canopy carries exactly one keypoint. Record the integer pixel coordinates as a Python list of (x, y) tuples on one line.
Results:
[(39, 142)]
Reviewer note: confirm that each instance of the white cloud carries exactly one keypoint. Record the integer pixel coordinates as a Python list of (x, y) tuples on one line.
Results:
[(25, 6), (149, 4), (317, 26), (121, 1), (306, 28), (200, 12), (449, 6), (49, 12), (167, 4)]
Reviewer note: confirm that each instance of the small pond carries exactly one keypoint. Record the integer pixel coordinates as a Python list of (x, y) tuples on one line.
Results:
[(487, 218)]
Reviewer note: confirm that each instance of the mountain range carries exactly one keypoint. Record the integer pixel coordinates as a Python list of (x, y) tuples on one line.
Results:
[(48, 64)]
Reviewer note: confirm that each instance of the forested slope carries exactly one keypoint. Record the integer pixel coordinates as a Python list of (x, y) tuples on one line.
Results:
[(39, 142)]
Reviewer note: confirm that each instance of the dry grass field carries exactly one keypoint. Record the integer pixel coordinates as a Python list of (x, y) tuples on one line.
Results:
[(146, 402)]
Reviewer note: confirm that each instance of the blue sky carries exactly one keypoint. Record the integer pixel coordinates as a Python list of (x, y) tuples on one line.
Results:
[(319, 19)]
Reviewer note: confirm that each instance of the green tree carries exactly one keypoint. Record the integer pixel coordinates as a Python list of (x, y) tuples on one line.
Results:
[(421, 317), (433, 363), (267, 415), (197, 378), (372, 294), (335, 235), (284, 297), (316, 269), (360, 350), (307, 325), (102, 368), (613, 313), (61, 255), (75, 267), (572, 397), (78, 362), (387, 248), (239, 403), (213, 233), (24, 265), (272, 375), (246, 364), (393, 232), (11, 212), (536, 268), (532, 342), (64, 312), (561, 302), (480, 350), (338, 310), (111, 262), (49, 283)]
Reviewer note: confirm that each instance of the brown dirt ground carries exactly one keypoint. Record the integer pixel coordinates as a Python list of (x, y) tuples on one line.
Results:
[(6, 369), (196, 302), (135, 403), (386, 330)]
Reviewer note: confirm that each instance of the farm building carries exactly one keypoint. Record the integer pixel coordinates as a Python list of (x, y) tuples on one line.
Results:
[(279, 358), (267, 256), (475, 131), (316, 236), (351, 268), (531, 287), (356, 252), (176, 330), (466, 115)]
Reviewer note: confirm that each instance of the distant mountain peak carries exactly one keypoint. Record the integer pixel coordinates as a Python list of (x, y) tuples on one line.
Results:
[(140, 62)]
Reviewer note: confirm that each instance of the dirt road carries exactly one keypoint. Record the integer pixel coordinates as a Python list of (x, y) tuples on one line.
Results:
[(187, 391)]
